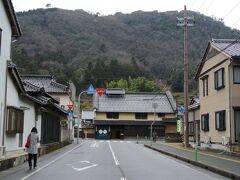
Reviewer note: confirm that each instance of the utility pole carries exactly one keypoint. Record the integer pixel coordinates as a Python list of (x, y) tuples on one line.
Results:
[(185, 22)]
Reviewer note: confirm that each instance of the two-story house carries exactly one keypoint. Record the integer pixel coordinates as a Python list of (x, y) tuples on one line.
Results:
[(134, 114), (9, 31), (219, 86)]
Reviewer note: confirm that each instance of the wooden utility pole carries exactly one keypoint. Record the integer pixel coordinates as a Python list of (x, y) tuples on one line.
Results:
[(185, 23)]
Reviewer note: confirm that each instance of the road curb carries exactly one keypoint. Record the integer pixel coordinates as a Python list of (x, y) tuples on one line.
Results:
[(199, 164)]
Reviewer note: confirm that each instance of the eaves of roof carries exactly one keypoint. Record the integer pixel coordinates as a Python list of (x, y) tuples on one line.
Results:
[(17, 80), (16, 30)]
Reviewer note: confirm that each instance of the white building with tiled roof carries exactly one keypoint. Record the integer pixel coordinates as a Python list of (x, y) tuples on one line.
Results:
[(9, 29)]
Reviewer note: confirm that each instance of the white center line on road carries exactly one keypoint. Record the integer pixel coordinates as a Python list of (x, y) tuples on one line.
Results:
[(113, 154), (53, 161)]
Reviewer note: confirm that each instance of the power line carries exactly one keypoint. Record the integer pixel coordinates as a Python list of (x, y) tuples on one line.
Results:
[(235, 22), (193, 4), (231, 10), (202, 5), (209, 5)]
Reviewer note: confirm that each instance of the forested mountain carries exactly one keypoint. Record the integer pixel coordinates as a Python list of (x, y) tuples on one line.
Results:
[(90, 48)]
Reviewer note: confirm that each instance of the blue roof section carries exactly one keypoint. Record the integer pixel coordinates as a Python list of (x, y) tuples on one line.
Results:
[(135, 102)]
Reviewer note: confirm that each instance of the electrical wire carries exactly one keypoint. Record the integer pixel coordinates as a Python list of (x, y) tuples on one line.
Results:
[(208, 7), (229, 12), (193, 4), (201, 5)]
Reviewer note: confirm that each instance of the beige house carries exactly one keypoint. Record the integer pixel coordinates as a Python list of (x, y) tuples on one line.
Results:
[(132, 114), (219, 92)]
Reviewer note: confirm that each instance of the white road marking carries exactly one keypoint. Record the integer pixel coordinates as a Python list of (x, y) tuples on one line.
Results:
[(115, 141), (84, 168), (123, 178), (121, 141), (48, 164), (128, 142), (101, 141), (113, 154), (94, 144)]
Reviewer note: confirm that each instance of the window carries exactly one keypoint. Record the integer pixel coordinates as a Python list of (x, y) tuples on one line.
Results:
[(205, 122), (161, 115), (140, 115), (220, 120), (112, 115), (236, 74), (219, 79), (191, 128), (0, 39), (205, 86), (15, 119)]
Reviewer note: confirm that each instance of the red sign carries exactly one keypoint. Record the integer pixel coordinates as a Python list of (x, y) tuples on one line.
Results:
[(70, 106), (100, 91)]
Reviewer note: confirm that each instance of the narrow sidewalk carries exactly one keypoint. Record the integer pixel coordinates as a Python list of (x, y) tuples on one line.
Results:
[(225, 165)]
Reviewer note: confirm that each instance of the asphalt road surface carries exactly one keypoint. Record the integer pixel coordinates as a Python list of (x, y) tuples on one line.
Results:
[(108, 160)]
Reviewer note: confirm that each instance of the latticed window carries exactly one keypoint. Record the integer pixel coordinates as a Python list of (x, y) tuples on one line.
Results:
[(112, 115), (15, 119), (191, 128), (140, 115)]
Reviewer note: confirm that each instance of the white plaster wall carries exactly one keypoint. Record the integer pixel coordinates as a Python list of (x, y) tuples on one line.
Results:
[(11, 141), (39, 125), (4, 56)]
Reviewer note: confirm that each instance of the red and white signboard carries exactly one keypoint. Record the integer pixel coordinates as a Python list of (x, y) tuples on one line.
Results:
[(100, 91), (70, 106)]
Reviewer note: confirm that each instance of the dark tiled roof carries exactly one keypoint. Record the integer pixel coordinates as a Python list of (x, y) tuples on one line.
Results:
[(229, 46), (135, 102), (194, 104), (44, 81)]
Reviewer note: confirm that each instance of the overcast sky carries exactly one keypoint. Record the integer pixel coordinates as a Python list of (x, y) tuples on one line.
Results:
[(229, 10)]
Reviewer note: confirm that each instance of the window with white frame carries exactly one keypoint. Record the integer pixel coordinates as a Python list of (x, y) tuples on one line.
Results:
[(220, 120), (236, 74), (205, 122), (205, 86), (219, 79)]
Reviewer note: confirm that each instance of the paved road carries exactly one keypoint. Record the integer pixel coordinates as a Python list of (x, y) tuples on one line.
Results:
[(108, 160)]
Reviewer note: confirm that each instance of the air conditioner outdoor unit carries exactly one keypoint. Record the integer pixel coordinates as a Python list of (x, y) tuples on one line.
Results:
[(225, 140), (2, 151), (207, 140)]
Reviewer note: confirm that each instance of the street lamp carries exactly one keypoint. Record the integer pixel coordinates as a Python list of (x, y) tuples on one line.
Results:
[(79, 112)]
